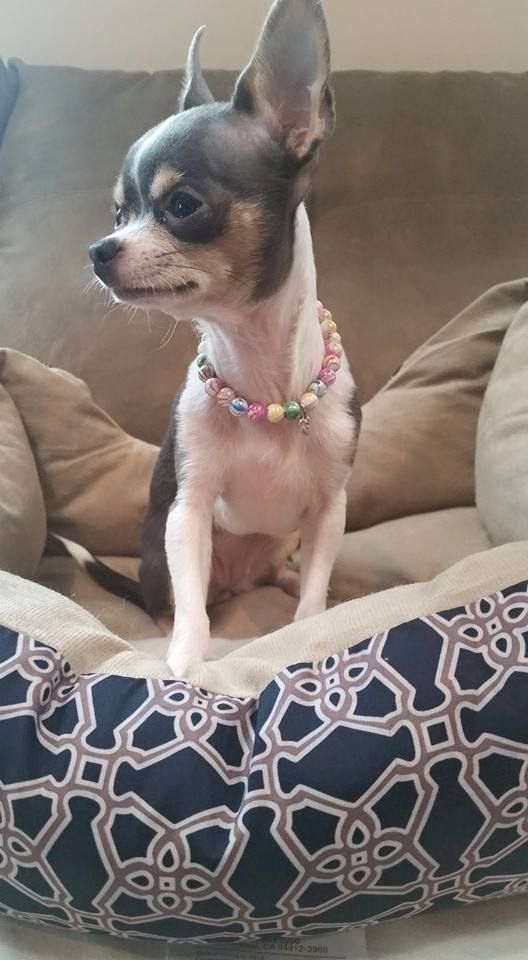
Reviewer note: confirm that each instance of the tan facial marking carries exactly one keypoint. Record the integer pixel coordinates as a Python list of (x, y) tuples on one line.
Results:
[(119, 193), (241, 240), (164, 179), (232, 259), (222, 267)]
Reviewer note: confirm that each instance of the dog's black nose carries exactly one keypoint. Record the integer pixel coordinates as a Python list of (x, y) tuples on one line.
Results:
[(104, 251)]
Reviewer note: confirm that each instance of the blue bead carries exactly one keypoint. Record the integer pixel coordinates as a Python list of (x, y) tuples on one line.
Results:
[(317, 387), (238, 407)]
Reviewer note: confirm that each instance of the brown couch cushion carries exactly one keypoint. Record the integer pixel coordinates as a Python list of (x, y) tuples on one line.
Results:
[(417, 446), (421, 203), (94, 476), (22, 511), (502, 440), (61, 154)]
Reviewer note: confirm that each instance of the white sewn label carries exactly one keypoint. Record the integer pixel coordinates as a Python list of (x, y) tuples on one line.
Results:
[(338, 946)]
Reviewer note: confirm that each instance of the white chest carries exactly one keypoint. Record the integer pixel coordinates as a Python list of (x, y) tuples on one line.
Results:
[(268, 476)]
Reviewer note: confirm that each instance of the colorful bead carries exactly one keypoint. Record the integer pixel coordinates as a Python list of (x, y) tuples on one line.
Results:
[(317, 387), (238, 407), (309, 400), (213, 386), (328, 326), (328, 377), (331, 362), (333, 349), (257, 412), (275, 413), (224, 396), (206, 373), (292, 410)]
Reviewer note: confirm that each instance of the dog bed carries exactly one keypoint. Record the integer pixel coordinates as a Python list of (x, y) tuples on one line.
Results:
[(381, 774), (362, 766)]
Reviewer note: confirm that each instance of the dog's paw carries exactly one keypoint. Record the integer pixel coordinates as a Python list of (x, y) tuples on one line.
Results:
[(306, 610), (181, 661)]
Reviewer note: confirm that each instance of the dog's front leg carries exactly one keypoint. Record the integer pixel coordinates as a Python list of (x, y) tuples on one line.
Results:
[(321, 536), (188, 542)]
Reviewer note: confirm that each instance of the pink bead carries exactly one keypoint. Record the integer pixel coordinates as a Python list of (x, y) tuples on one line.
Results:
[(332, 363), (327, 376), (333, 349), (257, 412), (224, 396), (213, 386)]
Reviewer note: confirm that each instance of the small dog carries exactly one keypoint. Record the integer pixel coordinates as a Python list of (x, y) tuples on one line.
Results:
[(211, 227)]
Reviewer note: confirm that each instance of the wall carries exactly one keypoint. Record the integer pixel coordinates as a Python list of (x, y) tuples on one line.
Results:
[(377, 34)]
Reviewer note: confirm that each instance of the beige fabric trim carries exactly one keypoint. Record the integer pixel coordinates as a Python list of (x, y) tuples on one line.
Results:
[(29, 608), (90, 648), (250, 669)]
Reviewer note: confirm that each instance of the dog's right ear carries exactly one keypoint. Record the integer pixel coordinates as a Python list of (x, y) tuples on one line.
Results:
[(286, 83), (195, 92)]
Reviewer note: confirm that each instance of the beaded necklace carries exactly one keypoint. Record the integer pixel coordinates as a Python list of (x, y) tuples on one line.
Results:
[(293, 410)]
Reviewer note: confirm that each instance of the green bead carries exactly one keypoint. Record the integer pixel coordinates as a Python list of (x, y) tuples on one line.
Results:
[(292, 410), (201, 360)]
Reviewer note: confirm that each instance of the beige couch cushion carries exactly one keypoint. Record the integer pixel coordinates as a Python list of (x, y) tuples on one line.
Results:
[(94, 477), (502, 441), (417, 446), (65, 576), (397, 552), (22, 511), (92, 648), (405, 550)]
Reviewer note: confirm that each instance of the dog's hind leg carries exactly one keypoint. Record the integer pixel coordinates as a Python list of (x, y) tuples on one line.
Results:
[(154, 570)]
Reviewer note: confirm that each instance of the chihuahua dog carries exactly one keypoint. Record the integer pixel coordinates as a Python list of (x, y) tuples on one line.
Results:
[(211, 227)]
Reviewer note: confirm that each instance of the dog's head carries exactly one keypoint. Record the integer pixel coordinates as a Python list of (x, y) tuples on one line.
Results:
[(205, 203)]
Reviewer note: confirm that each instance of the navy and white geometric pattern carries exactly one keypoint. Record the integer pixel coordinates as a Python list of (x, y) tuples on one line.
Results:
[(387, 779)]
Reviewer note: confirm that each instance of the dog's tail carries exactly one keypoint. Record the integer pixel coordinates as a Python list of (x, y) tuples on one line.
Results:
[(116, 583)]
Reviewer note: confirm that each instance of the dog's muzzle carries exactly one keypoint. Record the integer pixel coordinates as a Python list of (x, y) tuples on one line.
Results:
[(103, 255)]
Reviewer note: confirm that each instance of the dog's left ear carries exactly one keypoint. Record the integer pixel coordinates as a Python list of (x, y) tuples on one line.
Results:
[(287, 81), (195, 92)]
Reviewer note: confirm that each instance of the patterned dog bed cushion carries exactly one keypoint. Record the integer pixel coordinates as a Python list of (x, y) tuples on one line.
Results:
[(380, 781)]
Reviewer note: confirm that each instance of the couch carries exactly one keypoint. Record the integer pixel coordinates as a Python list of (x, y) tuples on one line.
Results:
[(421, 205)]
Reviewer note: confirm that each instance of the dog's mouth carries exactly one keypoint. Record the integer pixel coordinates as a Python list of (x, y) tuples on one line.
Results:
[(150, 293)]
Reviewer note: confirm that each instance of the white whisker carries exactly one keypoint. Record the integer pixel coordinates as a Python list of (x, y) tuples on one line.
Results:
[(167, 337)]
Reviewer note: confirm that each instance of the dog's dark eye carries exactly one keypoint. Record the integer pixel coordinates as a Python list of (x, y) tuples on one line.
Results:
[(118, 218), (183, 205)]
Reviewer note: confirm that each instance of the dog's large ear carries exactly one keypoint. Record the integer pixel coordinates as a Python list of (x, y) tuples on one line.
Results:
[(287, 81), (195, 92)]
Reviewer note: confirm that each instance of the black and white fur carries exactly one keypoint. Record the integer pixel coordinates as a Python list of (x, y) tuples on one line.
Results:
[(211, 227)]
